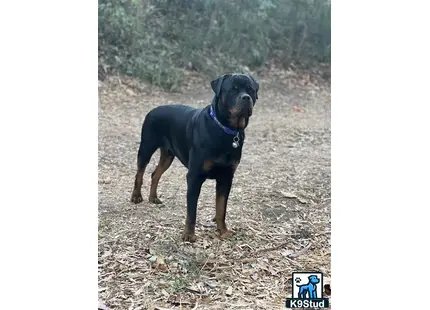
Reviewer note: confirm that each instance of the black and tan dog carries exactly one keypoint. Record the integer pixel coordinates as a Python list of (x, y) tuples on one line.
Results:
[(207, 141)]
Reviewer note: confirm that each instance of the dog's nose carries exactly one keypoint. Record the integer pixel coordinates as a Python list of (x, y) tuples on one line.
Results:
[(245, 97)]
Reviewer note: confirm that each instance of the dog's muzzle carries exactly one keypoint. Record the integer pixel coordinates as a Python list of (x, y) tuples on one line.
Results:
[(245, 103)]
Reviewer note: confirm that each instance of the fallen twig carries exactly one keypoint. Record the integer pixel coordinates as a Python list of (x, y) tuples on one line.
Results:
[(276, 247), (302, 251)]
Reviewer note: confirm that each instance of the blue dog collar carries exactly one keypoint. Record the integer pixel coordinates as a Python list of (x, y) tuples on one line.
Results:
[(226, 130)]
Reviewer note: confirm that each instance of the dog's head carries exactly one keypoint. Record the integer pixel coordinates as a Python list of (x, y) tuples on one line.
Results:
[(236, 95), (314, 279)]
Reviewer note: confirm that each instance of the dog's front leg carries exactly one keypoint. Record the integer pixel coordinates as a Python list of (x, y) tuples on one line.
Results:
[(194, 183), (223, 187)]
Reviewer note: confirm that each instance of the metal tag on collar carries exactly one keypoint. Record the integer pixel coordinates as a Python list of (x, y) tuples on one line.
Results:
[(235, 143)]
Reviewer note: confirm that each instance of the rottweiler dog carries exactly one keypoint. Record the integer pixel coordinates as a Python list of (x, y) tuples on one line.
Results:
[(207, 141)]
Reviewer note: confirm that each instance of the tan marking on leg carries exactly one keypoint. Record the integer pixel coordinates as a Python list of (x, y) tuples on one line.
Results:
[(188, 234), (136, 196), (221, 204), (163, 164)]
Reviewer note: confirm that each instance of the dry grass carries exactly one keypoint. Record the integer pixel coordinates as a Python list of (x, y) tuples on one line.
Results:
[(279, 207)]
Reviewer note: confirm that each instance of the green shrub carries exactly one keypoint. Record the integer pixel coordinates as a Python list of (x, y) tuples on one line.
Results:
[(157, 40)]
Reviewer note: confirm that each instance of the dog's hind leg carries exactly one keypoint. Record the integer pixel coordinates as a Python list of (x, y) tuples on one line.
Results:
[(166, 159), (146, 150)]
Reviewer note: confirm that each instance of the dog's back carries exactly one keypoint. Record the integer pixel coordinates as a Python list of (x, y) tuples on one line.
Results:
[(167, 117), (166, 126)]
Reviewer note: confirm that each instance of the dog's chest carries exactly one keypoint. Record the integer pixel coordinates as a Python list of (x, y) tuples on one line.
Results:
[(222, 152), (227, 159), (226, 156)]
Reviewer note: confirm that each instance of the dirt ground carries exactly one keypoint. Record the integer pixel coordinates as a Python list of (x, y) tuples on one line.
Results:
[(279, 208)]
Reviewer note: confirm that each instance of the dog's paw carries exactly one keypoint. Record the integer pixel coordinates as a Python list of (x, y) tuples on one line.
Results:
[(136, 197), (189, 237), (226, 234), (155, 200)]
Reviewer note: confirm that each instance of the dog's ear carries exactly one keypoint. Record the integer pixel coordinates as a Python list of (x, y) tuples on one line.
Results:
[(256, 86), (217, 83)]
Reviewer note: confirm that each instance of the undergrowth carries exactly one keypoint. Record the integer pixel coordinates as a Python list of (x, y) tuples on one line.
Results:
[(158, 41)]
